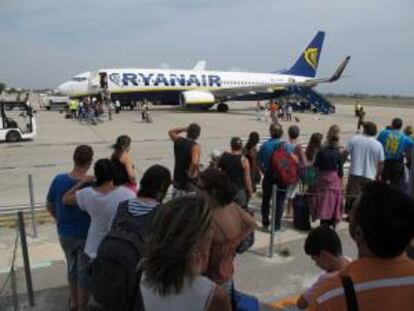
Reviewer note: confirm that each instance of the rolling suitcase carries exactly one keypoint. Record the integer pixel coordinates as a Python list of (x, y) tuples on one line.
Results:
[(301, 217)]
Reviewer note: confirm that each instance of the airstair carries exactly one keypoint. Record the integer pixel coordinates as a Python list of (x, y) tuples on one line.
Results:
[(316, 101)]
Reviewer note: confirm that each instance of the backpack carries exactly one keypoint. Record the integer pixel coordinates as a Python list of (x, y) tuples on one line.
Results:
[(115, 272), (283, 166)]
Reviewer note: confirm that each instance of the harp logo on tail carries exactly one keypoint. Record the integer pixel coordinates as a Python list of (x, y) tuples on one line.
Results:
[(311, 57)]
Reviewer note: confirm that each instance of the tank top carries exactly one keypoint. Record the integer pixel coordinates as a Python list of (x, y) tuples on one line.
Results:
[(195, 295), (232, 165), (182, 153)]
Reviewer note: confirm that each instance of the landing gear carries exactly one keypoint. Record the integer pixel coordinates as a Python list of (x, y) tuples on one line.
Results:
[(206, 107), (222, 107)]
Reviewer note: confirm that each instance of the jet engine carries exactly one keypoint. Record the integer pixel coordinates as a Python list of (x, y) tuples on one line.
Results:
[(196, 98)]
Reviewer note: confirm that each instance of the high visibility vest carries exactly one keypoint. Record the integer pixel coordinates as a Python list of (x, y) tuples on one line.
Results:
[(73, 105)]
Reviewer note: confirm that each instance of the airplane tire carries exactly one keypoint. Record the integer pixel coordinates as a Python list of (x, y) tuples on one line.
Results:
[(222, 107), (13, 136)]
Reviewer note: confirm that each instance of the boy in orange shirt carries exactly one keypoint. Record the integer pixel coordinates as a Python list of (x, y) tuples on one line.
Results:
[(382, 278)]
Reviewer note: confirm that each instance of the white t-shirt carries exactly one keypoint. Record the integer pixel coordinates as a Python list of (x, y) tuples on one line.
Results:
[(365, 152), (102, 208)]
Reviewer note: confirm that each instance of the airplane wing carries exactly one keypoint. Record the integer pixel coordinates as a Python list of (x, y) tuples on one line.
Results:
[(200, 66), (271, 88)]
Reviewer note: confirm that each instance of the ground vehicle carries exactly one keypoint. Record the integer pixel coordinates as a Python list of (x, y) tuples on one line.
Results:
[(54, 102), (17, 121)]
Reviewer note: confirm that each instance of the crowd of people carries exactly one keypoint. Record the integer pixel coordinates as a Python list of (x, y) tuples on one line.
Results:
[(274, 112), (181, 252), (88, 110), (94, 110)]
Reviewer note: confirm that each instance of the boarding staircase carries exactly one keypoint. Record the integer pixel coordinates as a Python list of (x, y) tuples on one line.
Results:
[(316, 100)]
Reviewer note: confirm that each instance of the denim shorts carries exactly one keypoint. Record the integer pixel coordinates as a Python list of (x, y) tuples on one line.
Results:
[(73, 248)]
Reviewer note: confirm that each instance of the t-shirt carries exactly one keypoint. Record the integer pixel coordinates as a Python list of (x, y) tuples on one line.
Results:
[(290, 147), (365, 152), (231, 164), (380, 285), (138, 207), (71, 221), (265, 153), (395, 144), (329, 159), (102, 208), (324, 276)]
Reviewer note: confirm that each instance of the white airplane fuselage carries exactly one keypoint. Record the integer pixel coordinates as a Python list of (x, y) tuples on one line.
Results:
[(139, 82)]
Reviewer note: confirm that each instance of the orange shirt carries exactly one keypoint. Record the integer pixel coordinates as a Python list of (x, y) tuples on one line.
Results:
[(380, 285)]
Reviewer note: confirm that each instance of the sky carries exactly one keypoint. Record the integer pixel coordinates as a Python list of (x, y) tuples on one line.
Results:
[(46, 42)]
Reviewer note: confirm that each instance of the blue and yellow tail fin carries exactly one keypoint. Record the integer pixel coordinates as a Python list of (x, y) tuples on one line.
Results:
[(307, 63)]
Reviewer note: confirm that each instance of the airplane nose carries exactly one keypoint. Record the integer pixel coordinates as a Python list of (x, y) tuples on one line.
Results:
[(64, 88)]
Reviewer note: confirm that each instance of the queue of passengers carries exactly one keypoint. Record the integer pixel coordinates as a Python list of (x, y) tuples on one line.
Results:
[(181, 253), (275, 112), (89, 110)]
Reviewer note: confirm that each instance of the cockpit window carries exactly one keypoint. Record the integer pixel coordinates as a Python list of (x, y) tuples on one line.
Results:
[(79, 79)]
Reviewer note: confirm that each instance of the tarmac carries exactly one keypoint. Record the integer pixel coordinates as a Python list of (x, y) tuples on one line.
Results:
[(275, 281)]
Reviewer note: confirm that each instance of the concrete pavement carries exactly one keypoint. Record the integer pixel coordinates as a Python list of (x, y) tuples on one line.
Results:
[(272, 280)]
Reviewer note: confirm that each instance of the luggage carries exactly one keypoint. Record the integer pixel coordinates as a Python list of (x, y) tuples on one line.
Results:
[(115, 272), (301, 214)]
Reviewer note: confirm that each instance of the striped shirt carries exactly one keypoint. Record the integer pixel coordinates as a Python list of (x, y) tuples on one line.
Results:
[(380, 285), (138, 206)]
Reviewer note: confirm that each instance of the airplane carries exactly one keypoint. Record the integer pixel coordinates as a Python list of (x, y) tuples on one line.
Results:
[(199, 87)]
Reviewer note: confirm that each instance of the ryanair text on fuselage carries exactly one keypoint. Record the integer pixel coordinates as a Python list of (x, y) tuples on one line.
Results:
[(161, 79)]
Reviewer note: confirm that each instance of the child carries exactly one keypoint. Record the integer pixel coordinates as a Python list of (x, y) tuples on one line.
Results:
[(324, 247)]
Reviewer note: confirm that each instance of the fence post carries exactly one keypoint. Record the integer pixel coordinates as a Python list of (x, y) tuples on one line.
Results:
[(272, 222), (26, 261), (15, 294), (32, 205)]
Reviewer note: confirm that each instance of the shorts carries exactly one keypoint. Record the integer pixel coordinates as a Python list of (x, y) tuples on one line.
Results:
[(84, 269), (292, 190), (393, 173), (241, 198), (73, 249)]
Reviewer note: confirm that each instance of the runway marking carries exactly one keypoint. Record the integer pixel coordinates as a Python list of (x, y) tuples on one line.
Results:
[(7, 168), (44, 165)]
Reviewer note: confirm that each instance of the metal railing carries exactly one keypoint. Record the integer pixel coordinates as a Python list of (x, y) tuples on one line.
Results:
[(9, 295), (31, 207)]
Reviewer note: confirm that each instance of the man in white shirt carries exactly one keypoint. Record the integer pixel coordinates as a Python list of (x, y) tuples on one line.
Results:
[(367, 159)]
